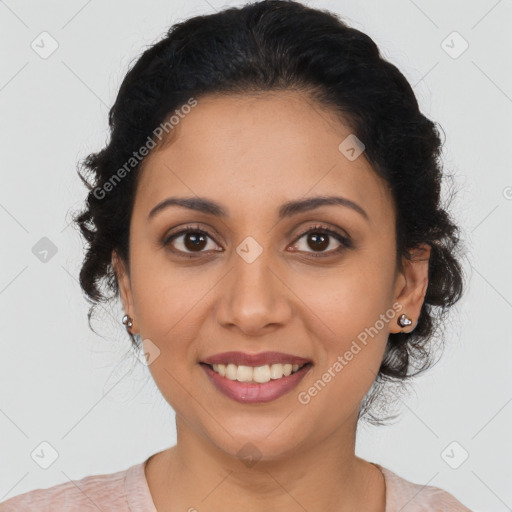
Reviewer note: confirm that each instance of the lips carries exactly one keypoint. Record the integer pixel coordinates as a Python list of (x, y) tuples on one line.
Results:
[(252, 392), (259, 359)]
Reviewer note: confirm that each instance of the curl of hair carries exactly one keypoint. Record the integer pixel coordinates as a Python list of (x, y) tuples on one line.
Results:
[(279, 45)]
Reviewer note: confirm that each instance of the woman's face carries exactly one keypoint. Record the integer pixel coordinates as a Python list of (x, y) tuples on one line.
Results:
[(255, 283)]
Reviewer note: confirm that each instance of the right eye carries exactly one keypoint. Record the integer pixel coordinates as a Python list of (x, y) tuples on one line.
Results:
[(193, 240)]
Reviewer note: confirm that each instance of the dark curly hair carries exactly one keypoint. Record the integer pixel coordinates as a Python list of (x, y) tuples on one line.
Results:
[(274, 45)]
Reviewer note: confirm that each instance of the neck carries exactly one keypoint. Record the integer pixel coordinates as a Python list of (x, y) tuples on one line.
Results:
[(197, 475)]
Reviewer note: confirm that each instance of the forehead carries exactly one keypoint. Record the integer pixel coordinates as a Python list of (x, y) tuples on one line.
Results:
[(256, 151)]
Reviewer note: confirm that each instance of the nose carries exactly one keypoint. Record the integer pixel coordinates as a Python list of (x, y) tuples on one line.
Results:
[(253, 297)]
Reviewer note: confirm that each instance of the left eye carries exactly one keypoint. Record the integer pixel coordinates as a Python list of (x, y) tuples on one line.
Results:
[(320, 239), (195, 241)]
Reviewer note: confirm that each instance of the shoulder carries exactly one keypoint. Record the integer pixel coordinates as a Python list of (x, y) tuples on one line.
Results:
[(411, 497), (92, 493)]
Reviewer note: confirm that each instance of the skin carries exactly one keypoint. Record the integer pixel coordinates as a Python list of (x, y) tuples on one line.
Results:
[(251, 154)]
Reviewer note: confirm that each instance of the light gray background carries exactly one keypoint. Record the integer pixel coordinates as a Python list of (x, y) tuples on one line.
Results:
[(101, 411)]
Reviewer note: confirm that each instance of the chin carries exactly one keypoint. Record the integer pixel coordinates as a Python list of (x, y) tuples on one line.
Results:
[(263, 447)]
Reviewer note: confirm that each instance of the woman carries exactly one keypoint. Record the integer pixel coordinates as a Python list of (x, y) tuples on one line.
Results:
[(268, 211)]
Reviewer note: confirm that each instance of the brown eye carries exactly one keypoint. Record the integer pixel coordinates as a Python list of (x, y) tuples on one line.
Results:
[(189, 240), (319, 239), (194, 240)]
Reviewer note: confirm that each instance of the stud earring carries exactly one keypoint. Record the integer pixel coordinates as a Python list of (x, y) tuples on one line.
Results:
[(127, 321), (404, 320)]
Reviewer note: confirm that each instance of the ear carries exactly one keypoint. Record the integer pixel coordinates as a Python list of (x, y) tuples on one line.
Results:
[(125, 289), (411, 287)]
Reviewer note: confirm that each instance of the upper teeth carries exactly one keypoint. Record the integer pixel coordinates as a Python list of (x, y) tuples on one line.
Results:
[(259, 374)]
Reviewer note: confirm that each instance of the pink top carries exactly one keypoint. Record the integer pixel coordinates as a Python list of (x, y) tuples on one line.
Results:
[(128, 491)]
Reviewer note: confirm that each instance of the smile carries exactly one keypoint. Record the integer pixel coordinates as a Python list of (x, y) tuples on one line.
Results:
[(255, 384), (260, 374)]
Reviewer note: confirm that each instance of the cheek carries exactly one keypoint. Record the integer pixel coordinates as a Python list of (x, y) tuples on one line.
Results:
[(350, 298), (351, 315), (164, 293), (352, 329)]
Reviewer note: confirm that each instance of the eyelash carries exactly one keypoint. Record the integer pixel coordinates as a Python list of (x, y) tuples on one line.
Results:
[(346, 243)]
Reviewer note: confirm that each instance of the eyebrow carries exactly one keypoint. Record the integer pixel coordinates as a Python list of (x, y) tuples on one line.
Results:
[(288, 209)]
